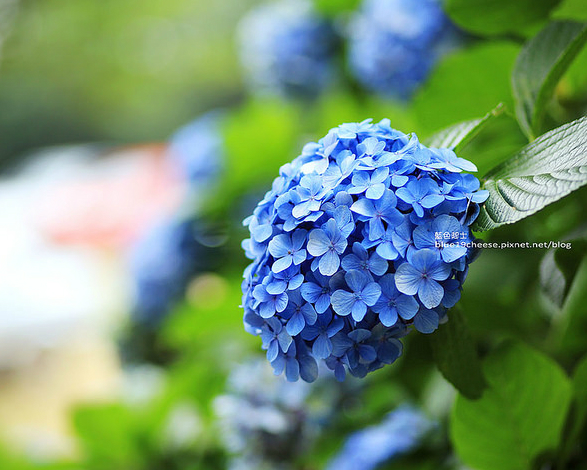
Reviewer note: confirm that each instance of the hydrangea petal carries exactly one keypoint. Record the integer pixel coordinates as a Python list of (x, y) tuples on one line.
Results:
[(407, 279), (430, 293)]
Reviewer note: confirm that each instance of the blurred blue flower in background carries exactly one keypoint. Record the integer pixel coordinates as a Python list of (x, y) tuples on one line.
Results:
[(401, 432), (198, 150), (266, 422), (363, 235), (161, 263), (287, 49), (393, 44)]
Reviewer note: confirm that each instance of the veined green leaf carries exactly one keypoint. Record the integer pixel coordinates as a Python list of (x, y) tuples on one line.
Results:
[(543, 172)]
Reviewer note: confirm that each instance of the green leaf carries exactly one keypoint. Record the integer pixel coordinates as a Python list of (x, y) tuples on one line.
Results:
[(580, 390), (464, 85), (459, 135), (578, 415), (489, 17), (559, 266), (543, 172), (456, 356), (552, 279), (519, 417), (500, 138), (539, 67), (574, 315)]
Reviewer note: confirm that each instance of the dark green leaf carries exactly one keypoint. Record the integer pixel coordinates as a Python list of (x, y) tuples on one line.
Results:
[(543, 172), (456, 356), (578, 415), (580, 390), (559, 266), (497, 298), (574, 315), (488, 17), (539, 67), (519, 416), (458, 135)]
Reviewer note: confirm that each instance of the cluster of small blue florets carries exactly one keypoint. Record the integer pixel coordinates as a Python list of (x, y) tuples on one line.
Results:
[(266, 423), (393, 44), (365, 233), (401, 432), (287, 49)]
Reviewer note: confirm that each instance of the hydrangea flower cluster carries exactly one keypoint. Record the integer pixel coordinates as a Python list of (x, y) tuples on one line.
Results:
[(393, 44), (401, 431), (287, 49), (362, 235), (267, 423)]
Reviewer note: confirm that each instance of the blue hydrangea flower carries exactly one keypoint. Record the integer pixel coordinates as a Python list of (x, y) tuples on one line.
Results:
[(420, 274), (393, 44), (392, 303), (287, 49), (326, 244), (161, 263), (287, 250), (348, 274), (197, 149), (298, 313), (266, 423), (402, 431), (359, 259), (364, 293)]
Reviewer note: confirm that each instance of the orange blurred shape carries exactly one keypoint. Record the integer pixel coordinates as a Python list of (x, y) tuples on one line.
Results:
[(124, 192)]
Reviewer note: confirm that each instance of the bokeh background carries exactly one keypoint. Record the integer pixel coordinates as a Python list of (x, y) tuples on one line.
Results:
[(134, 139)]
